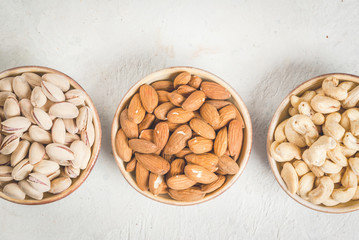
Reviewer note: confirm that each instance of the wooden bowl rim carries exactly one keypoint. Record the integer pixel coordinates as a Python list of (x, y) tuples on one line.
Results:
[(306, 85), (245, 115), (95, 148)]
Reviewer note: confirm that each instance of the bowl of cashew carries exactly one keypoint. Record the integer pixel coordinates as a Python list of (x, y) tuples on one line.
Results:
[(313, 143)]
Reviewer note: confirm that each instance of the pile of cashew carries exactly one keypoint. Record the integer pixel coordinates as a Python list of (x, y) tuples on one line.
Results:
[(317, 147)]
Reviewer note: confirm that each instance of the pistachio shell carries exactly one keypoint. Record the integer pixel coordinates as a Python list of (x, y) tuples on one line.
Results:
[(64, 110), (71, 126), (39, 182), (72, 172), (42, 119), (58, 131), (52, 92), (58, 80), (59, 152), (26, 109), (22, 170), (20, 152), (40, 135), (9, 144), (70, 138), (88, 136), (6, 84), (14, 191), (76, 97), (82, 154), (15, 125), (4, 159), (30, 191), (84, 118), (27, 137), (36, 152), (38, 98), (21, 87), (54, 175), (32, 79), (60, 184), (46, 167), (11, 107), (5, 173), (3, 97)]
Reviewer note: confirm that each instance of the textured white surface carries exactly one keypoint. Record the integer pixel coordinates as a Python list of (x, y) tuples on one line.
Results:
[(262, 48)]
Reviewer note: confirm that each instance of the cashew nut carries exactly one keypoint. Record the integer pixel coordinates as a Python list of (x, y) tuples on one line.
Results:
[(304, 126), (330, 167), (293, 136), (344, 195), (324, 104), (331, 89), (347, 85), (300, 167), (317, 152), (318, 118), (332, 128), (353, 116), (306, 97), (306, 185), (330, 202), (284, 152), (348, 152), (336, 177), (316, 170), (322, 192), (350, 141), (349, 179), (290, 177), (345, 121), (354, 165), (279, 134), (305, 109), (293, 111), (352, 99), (337, 156)]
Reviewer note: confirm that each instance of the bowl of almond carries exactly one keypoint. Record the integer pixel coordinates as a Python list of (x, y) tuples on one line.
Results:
[(181, 136), (313, 143), (50, 135)]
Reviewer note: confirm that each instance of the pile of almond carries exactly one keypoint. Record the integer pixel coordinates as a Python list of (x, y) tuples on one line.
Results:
[(181, 137)]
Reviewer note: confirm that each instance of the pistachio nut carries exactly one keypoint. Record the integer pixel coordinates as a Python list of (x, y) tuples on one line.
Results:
[(52, 92), (40, 135), (21, 87), (58, 131), (70, 138), (20, 152), (38, 98), (27, 137), (26, 109), (42, 119), (39, 182), (6, 84), (3, 97), (4, 159), (71, 126), (11, 107), (64, 110), (60, 184), (54, 174), (59, 152), (88, 136), (82, 154), (36, 152), (5, 173), (30, 191), (76, 97), (32, 79), (14, 191), (15, 125), (84, 118), (22, 170), (58, 80), (71, 172), (9, 144), (46, 167)]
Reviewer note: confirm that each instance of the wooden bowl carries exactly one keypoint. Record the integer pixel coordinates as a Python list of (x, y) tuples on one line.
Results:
[(280, 115), (171, 73), (48, 198)]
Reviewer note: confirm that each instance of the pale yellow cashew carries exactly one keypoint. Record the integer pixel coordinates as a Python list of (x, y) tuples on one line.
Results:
[(337, 156), (317, 152), (279, 134), (292, 136), (330, 167), (353, 116), (347, 85), (290, 177), (354, 165), (350, 141), (332, 128), (306, 97), (306, 183), (284, 152), (324, 104), (349, 178), (300, 167), (345, 121), (330, 202), (322, 192), (352, 99), (304, 126), (336, 177), (348, 152), (344, 195), (304, 108), (331, 89)]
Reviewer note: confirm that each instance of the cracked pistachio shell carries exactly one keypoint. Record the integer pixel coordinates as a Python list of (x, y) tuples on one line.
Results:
[(20, 152), (5, 173), (4, 159), (88, 136), (71, 126), (71, 172), (11, 107), (26, 109), (58, 80), (27, 137), (58, 131), (42, 119), (52, 92), (59, 152), (39, 182), (46, 167), (76, 97), (33, 79), (38, 98), (60, 184), (36, 152), (21, 87), (9, 144), (40, 135), (54, 175), (64, 110), (6, 84), (70, 138), (84, 118), (82, 154), (4, 96), (14, 191), (22, 170), (15, 125), (30, 191)]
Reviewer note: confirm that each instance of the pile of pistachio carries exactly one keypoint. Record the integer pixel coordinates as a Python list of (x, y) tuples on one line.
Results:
[(46, 134)]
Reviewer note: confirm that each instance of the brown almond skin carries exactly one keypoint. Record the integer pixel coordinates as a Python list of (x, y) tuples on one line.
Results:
[(185, 90), (122, 147), (153, 163), (202, 128), (208, 188), (163, 85), (178, 115), (200, 145), (176, 98), (218, 104), (206, 160), (142, 175), (187, 195), (162, 110), (182, 79), (178, 140), (177, 167), (194, 101), (146, 122), (136, 112), (130, 128), (195, 82), (180, 182), (215, 91), (155, 185), (210, 114), (147, 134), (149, 97), (142, 146), (199, 174), (161, 134), (226, 114), (183, 153), (227, 165), (235, 138), (131, 165), (162, 96), (221, 142)]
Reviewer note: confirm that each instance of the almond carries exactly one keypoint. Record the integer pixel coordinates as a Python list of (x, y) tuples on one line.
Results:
[(177, 167), (195, 82), (163, 85), (178, 140), (235, 138), (194, 101), (142, 176), (153, 163), (160, 135), (162, 110), (221, 142), (172, 126), (122, 147), (206, 160), (187, 195), (214, 185), (131, 165), (199, 174), (202, 128), (218, 104), (162, 96), (215, 91), (178, 115), (136, 112), (175, 98), (157, 184), (168, 157), (149, 97), (200, 145), (182, 79), (227, 165), (147, 134), (183, 152), (142, 146), (185, 90), (146, 122), (180, 182), (210, 114), (226, 114), (130, 128)]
